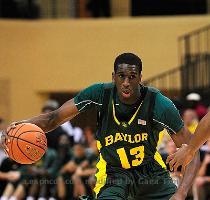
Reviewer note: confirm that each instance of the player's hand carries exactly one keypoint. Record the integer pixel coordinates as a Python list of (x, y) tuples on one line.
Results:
[(4, 140), (182, 157), (14, 124)]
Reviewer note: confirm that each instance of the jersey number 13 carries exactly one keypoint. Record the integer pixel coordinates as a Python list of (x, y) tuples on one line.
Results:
[(137, 152)]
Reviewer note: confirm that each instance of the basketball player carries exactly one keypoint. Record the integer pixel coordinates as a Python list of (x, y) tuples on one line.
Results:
[(130, 119), (186, 153)]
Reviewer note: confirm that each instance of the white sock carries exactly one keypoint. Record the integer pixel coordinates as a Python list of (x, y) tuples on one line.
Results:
[(12, 198), (51, 198), (30, 198), (4, 198), (42, 198)]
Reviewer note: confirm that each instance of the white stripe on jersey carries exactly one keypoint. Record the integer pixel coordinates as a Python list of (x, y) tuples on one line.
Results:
[(87, 102), (165, 126)]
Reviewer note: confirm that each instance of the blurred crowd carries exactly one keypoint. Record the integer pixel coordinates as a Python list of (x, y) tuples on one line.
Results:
[(67, 169), (69, 161)]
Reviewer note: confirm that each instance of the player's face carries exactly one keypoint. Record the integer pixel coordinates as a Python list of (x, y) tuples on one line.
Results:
[(127, 80)]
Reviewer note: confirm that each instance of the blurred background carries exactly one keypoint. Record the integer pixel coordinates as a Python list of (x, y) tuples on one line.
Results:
[(52, 49)]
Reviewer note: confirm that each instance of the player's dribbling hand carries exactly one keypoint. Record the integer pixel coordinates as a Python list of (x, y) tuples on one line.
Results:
[(182, 157), (14, 124), (5, 139)]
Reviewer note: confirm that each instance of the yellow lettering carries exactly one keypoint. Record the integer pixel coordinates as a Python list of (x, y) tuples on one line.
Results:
[(109, 140), (144, 136), (118, 137), (124, 137), (129, 139), (137, 138)]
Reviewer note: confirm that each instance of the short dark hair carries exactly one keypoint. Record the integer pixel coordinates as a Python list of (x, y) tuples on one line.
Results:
[(128, 58)]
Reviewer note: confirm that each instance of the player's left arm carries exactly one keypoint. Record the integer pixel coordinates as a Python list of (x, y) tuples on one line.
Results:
[(168, 115), (183, 137)]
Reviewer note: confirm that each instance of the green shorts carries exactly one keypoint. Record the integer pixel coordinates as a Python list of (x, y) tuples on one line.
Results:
[(148, 182)]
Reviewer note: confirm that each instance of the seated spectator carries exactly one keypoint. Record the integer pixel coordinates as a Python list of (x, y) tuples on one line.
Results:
[(201, 186), (194, 102), (83, 177), (10, 176), (8, 172), (53, 136), (34, 178), (75, 133), (2, 127), (64, 180), (89, 137), (190, 119), (170, 149), (163, 140)]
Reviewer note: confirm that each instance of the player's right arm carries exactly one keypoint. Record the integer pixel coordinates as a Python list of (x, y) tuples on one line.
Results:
[(87, 98), (52, 120), (186, 153), (46, 122)]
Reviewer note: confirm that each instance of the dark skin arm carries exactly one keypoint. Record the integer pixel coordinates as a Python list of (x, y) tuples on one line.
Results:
[(52, 120), (47, 121), (183, 136), (185, 154)]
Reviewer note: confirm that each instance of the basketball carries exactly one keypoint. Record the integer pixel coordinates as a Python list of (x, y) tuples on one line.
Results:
[(26, 143)]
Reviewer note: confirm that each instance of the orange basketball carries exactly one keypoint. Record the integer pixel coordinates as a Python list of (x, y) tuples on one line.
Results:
[(27, 143)]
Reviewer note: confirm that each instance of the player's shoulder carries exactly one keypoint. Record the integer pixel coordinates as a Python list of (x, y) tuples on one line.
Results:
[(109, 85), (160, 99), (152, 89)]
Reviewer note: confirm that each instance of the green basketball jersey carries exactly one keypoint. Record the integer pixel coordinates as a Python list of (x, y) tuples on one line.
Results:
[(128, 134)]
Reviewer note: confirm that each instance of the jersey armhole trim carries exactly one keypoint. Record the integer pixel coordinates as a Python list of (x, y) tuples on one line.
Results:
[(87, 102), (165, 126)]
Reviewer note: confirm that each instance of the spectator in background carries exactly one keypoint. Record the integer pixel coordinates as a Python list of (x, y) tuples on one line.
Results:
[(79, 159), (2, 127), (89, 137), (170, 148), (53, 136), (8, 172), (75, 133), (190, 119), (7, 166), (34, 179), (194, 102), (9, 176), (201, 187), (84, 178), (163, 140)]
